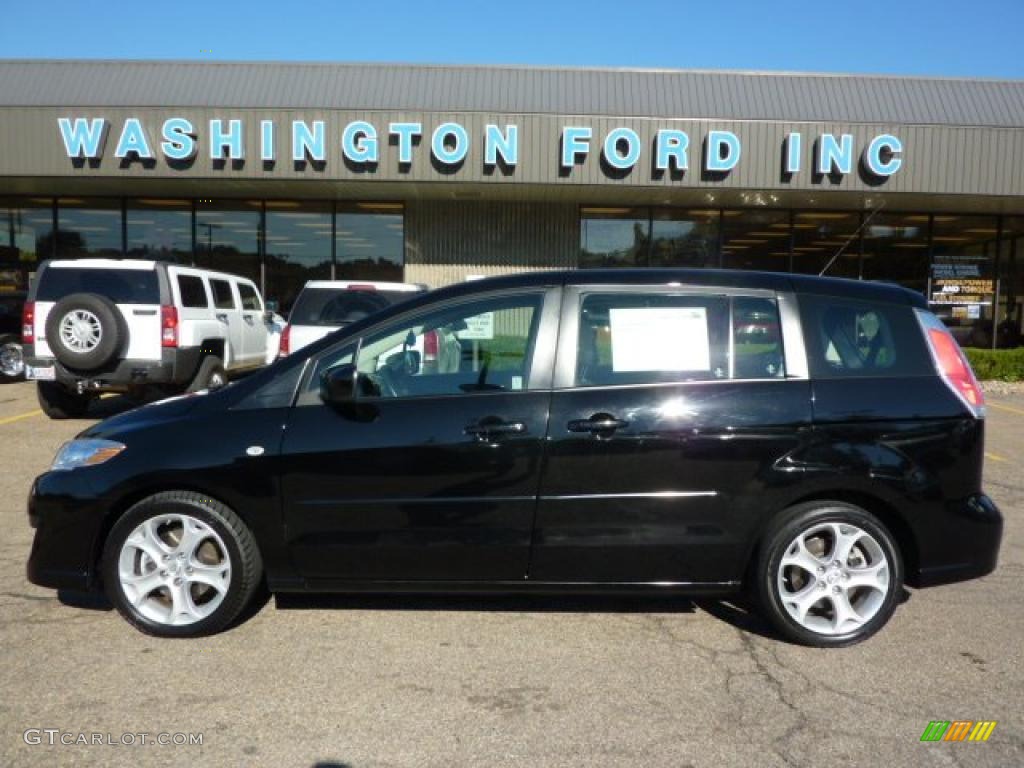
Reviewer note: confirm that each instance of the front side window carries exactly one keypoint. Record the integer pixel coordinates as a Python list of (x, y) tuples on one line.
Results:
[(474, 347), (250, 299)]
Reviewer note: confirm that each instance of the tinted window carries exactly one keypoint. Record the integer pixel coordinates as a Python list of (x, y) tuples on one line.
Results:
[(482, 346), (757, 339), (853, 338), (335, 307), (192, 291), (636, 338), (249, 298), (222, 297), (121, 286)]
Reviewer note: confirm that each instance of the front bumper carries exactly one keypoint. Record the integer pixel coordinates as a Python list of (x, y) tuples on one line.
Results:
[(68, 519), (971, 532)]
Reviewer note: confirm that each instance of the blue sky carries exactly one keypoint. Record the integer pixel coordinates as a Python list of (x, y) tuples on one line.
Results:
[(975, 38)]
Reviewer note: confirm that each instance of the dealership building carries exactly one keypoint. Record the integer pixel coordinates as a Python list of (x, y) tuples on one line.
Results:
[(433, 174)]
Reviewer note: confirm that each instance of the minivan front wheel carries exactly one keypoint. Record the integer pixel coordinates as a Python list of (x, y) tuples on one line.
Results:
[(829, 575), (180, 564)]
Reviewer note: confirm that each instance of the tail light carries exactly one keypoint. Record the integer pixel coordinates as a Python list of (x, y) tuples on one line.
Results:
[(168, 326), (430, 345), (28, 323), (286, 341), (952, 364)]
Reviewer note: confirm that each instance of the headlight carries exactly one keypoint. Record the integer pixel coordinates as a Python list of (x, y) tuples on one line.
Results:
[(86, 452)]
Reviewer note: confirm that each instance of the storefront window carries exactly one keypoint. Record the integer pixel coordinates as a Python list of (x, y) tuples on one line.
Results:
[(227, 237), (26, 238), (614, 237), (1009, 331), (88, 228), (823, 239), (298, 248), (681, 238), (160, 229), (963, 280), (370, 241), (896, 249), (755, 239)]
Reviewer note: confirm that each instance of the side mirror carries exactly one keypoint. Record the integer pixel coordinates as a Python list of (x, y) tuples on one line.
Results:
[(268, 317), (338, 385)]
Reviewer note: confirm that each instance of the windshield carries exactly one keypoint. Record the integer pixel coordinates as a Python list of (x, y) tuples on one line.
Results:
[(335, 307)]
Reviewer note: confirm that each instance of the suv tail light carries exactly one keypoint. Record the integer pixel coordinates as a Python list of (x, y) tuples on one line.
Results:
[(28, 323), (168, 326), (430, 345), (952, 364), (286, 341)]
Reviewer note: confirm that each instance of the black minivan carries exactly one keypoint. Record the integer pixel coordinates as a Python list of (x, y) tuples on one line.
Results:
[(816, 441)]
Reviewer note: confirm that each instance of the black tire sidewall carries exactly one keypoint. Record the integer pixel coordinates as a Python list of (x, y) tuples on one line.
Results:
[(114, 331), (233, 602), (207, 367), (805, 516)]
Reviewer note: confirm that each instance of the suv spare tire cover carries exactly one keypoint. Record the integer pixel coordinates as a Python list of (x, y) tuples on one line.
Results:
[(85, 331)]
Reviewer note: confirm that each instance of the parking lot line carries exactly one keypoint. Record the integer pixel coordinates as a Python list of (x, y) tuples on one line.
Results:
[(20, 416), (1007, 408), (995, 456)]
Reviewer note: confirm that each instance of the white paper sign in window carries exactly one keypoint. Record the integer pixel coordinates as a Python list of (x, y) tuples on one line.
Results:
[(660, 339), (478, 327)]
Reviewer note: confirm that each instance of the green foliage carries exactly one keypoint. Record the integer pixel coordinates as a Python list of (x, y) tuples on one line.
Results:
[(997, 364)]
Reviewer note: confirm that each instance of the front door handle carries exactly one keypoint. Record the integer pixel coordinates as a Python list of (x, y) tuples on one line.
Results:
[(222, 316), (599, 422), (485, 429)]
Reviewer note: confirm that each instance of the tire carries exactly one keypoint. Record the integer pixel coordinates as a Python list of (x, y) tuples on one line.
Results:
[(869, 580), (211, 375), (176, 596), (85, 331), (12, 362), (59, 402)]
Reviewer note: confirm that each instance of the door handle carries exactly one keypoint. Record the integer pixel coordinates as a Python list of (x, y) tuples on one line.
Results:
[(222, 316), (599, 422), (488, 428)]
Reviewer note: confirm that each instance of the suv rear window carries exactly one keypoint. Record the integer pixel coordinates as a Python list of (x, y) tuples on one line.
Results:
[(334, 306), (193, 293), (853, 338), (121, 286)]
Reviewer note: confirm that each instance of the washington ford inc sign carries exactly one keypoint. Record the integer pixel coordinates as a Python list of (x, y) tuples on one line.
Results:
[(449, 144)]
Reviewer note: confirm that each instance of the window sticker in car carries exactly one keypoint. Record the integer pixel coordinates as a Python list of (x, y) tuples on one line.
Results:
[(660, 339), (479, 327)]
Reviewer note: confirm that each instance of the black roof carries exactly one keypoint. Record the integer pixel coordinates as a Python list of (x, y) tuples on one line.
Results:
[(724, 278)]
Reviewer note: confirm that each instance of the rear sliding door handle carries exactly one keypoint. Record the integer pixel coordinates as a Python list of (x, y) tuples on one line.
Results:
[(599, 422)]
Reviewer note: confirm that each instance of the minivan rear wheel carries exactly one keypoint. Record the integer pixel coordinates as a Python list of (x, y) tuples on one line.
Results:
[(180, 564), (829, 575)]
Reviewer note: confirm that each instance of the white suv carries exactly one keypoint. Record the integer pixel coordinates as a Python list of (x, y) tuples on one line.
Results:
[(324, 306), (125, 325)]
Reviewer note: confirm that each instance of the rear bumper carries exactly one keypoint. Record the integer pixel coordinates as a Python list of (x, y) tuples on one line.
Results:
[(973, 530), (175, 366)]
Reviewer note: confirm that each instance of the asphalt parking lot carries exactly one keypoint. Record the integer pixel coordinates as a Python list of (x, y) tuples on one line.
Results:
[(332, 681)]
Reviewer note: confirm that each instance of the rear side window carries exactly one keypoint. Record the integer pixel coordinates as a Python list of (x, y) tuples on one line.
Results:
[(192, 291), (853, 338), (222, 296), (635, 338), (250, 299), (121, 286)]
